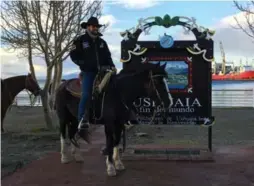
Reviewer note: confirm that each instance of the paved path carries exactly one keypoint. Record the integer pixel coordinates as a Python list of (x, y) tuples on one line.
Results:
[(233, 166)]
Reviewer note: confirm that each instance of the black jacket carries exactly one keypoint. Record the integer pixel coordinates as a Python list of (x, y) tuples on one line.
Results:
[(90, 54)]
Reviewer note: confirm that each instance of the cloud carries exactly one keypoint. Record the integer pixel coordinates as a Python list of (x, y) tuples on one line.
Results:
[(13, 64), (237, 45), (112, 36), (137, 4), (230, 21), (108, 19)]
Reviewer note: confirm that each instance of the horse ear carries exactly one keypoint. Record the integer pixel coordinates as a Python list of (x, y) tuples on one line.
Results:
[(158, 65), (164, 66)]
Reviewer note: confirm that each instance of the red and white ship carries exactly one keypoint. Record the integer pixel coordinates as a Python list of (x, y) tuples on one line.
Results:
[(242, 75), (223, 72)]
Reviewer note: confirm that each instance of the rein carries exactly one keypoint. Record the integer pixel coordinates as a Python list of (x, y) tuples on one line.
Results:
[(152, 84), (157, 94), (32, 98)]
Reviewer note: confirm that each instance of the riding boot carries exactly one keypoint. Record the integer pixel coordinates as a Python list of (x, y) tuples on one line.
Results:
[(84, 122), (84, 126)]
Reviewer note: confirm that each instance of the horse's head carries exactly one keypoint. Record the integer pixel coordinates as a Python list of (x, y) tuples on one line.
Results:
[(155, 84), (32, 85), (151, 80)]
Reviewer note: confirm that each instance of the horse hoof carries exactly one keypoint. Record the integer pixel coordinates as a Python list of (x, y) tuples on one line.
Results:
[(119, 166), (65, 159), (111, 172), (79, 158)]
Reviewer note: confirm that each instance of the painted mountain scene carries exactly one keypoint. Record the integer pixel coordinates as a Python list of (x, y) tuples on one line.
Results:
[(177, 74)]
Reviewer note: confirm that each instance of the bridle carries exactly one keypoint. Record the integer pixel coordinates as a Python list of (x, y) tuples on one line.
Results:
[(36, 92), (152, 84), (152, 77)]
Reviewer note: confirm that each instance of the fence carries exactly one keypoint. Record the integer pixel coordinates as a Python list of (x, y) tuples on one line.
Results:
[(220, 98), (233, 98)]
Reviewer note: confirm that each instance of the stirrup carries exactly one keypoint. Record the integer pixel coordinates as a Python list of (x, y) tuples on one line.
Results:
[(82, 125)]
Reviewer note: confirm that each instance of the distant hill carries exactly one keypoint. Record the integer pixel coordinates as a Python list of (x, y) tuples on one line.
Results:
[(70, 76), (66, 76)]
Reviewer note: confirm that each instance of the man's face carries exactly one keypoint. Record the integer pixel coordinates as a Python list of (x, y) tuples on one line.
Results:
[(93, 29)]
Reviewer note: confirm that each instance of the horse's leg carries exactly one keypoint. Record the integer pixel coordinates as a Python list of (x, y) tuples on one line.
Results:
[(64, 121), (3, 113), (111, 171), (2, 127), (65, 155), (76, 153), (64, 118), (116, 154)]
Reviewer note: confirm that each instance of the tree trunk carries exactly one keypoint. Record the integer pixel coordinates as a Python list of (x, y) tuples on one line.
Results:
[(60, 72), (55, 82), (45, 100), (46, 110)]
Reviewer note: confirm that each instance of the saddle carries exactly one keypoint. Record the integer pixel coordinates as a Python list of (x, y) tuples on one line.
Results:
[(74, 87), (100, 83)]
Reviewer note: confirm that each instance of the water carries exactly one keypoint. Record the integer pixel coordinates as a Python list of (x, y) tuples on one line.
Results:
[(220, 98), (233, 85), (240, 96)]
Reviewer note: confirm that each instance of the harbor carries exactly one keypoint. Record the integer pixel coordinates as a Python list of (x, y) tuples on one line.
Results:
[(229, 71)]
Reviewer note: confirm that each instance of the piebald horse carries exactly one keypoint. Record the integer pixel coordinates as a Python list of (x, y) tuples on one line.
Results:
[(123, 89)]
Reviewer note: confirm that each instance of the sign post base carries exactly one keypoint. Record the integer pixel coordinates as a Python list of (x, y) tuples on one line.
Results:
[(167, 153)]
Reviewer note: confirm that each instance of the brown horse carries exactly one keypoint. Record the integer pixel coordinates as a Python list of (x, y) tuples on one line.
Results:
[(11, 87)]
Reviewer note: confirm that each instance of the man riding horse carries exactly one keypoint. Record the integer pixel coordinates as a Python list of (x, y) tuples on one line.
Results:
[(90, 53)]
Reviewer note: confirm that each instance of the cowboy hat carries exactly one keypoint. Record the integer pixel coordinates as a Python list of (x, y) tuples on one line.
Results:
[(91, 21)]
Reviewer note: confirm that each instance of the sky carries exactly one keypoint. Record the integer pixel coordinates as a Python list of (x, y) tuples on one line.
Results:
[(122, 15)]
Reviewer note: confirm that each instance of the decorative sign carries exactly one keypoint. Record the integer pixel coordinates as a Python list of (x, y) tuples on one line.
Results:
[(187, 65), (166, 41)]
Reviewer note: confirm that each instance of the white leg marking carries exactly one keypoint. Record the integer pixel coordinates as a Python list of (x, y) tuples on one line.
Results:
[(117, 159), (110, 168), (65, 157), (76, 153)]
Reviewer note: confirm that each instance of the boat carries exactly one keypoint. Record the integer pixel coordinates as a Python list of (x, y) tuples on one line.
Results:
[(244, 75), (225, 72)]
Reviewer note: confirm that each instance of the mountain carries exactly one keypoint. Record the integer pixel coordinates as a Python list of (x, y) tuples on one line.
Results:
[(66, 76), (173, 70), (70, 76)]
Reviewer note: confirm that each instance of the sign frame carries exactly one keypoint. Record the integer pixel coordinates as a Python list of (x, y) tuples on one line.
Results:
[(198, 53)]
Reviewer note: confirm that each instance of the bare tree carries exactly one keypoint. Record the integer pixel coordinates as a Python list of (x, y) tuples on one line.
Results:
[(45, 29), (248, 11)]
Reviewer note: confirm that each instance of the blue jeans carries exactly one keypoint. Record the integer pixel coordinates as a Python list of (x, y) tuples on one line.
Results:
[(87, 87)]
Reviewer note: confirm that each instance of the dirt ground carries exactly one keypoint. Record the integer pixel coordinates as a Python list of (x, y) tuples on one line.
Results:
[(25, 141)]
